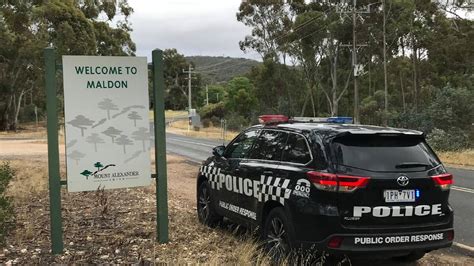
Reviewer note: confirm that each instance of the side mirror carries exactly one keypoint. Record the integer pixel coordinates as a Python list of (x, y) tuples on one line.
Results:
[(218, 151)]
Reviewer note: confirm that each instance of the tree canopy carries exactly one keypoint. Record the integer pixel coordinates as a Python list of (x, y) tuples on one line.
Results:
[(89, 27)]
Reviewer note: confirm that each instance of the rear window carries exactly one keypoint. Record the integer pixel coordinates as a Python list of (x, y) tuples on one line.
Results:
[(384, 153)]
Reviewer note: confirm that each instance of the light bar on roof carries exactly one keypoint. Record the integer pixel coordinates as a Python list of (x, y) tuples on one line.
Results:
[(272, 119)]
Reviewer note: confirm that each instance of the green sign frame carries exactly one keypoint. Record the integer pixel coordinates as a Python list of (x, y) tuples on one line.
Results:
[(55, 182)]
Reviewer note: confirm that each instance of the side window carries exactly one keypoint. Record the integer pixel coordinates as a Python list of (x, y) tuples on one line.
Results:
[(269, 145), (296, 150), (320, 160), (241, 145)]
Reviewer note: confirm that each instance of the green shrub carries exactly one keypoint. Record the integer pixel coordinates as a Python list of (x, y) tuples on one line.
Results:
[(214, 109), (453, 140), (216, 121), (6, 210), (236, 122), (206, 122)]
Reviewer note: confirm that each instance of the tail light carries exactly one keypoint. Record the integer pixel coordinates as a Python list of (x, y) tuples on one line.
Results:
[(335, 242), (444, 181), (451, 235), (336, 182)]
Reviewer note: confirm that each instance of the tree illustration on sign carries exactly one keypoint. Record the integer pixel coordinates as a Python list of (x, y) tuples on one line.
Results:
[(86, 173), (134, 116), (81, 122), (95, 139), (142, 134), (112, 132), (76, 156), (98, 165), (108, 106), (124, 141)]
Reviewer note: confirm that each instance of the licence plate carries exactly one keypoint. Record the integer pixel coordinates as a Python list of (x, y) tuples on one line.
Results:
[(406, 195)]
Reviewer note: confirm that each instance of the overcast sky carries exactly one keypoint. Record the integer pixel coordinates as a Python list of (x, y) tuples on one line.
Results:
[(194, 27)]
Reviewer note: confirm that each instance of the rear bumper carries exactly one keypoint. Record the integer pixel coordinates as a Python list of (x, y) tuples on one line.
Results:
[(383, 243)]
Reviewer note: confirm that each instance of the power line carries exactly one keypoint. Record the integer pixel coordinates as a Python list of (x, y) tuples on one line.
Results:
[(211, 66), (304, 24), (214, 70)]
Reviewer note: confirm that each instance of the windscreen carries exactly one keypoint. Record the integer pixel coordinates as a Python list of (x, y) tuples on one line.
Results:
[(384, 153)]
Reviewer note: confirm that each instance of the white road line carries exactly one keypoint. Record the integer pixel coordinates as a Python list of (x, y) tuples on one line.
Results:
[(192, 142), (462, 246), (463, 189)]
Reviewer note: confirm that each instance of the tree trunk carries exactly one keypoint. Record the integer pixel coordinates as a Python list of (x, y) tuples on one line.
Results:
[(312, 103), (17, 111), (334, 109), (415, 79), (403, 92)]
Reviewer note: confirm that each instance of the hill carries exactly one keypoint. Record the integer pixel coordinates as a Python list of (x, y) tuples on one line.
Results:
[(220, 68)]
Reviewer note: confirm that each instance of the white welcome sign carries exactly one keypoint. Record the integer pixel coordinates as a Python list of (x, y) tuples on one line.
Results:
[(108, 137)]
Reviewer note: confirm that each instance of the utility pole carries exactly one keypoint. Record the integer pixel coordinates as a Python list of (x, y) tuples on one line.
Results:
[(354, 64), (355, 67), (207, 95), (385, 64), (190, 71)]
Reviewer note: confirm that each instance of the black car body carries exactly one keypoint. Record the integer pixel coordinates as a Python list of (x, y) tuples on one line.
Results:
[(341, 188)]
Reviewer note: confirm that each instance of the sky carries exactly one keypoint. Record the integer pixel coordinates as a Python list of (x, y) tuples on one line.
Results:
[(193, 27)]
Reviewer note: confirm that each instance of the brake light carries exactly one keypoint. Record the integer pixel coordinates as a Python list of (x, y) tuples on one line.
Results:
[(451, 235), (336, 182), (444, 181), (272, 119), (335, 242)]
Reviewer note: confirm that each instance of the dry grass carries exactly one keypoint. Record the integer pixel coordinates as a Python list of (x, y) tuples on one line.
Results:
[(463, 158), (27, 131), (168, 114), (118, 226), (212, 132)]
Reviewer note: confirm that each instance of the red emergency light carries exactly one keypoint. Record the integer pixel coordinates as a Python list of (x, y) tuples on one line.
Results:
[(272, 119)]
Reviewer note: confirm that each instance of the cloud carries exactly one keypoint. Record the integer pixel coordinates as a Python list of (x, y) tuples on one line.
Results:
[(205, 27)]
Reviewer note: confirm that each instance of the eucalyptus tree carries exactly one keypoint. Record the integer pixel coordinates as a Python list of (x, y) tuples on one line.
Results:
[(72, 27)]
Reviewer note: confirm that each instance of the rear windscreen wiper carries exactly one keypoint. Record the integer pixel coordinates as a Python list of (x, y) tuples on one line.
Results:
[(411, 165)]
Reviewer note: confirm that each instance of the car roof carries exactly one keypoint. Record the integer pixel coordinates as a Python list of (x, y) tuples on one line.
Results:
[(337, 129)]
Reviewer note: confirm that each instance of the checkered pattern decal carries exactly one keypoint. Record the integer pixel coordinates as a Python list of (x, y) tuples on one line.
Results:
[(274, 188), (212, 174), (268, 188)]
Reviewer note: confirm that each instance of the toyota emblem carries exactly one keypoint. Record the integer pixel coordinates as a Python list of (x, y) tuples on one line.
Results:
[(403, 180)]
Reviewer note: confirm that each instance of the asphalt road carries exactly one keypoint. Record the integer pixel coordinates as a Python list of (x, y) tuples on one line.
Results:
[(461, 198)]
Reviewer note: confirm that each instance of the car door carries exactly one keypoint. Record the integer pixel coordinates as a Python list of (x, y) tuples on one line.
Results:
[(260, 168), (230, 172)]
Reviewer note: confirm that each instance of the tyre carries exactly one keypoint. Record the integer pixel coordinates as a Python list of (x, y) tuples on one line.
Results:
[(412, 257), (207, 215), (277, 235)]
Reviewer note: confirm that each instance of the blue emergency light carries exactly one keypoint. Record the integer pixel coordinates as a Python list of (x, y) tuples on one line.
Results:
[(340, 120)]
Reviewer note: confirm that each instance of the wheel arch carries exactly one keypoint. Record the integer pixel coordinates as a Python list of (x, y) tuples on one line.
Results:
[(267, 208), (200, 180)]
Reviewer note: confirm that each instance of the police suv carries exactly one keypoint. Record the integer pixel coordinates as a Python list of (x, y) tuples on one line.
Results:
[(341, 188)]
